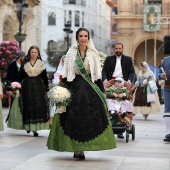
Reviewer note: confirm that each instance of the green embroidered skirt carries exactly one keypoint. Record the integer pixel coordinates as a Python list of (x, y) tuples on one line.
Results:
[(85, 125)]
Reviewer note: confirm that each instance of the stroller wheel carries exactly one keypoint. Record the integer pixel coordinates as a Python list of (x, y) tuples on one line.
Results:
[(127, 137), (133, 132)]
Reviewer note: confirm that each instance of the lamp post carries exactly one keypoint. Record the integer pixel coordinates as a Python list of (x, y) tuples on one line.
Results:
[(21, 8), (68, 31)]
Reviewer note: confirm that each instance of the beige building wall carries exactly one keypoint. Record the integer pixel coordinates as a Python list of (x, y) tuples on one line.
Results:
[(9, 23), (138, 43)]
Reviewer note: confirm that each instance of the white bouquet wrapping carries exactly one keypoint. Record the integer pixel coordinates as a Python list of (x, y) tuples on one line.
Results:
[(59, 97), (152, 85)]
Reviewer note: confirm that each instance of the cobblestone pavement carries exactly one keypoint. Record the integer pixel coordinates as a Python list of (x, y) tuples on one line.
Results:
[(22, 151)]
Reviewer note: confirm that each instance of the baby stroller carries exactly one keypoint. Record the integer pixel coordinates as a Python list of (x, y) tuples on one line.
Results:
[(122, 121), (121, 124)]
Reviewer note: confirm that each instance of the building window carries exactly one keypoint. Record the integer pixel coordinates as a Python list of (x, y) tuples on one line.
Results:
[(72, 1), (114, 28), (51, 18), (70, 16), (77, 2), (114, 11), (77, 18), (82, 19), (154, 1), (65, 14), (92, 33)]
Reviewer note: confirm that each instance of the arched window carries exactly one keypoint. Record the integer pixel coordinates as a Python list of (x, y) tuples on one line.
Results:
[(51, 18)]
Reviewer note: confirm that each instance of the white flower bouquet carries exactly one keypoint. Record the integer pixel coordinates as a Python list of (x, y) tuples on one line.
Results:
[(61, 97), (102, 58)]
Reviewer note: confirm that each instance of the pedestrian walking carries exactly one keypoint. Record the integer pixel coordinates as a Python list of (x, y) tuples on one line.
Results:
[(12, 76), (146, 99), (58, 74), (85, 125), (164, 74), (34, 88)]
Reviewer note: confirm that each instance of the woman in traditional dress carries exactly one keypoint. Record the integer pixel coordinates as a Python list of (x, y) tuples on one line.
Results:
[(58, 74), (33, 78), (1, 115), (85, 125), (146, 99)]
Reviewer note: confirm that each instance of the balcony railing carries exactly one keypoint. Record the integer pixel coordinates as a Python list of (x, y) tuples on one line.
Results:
[(76, 2), (137, 9)]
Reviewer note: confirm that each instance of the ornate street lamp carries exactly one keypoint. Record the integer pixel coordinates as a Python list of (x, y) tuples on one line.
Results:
[(68, 31), (21, 8)]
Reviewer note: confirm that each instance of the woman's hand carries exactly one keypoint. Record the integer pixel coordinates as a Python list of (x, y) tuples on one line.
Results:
[(163, 75), (10, 93)]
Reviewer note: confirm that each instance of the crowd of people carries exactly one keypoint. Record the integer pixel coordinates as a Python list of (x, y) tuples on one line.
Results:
[(97, 95)]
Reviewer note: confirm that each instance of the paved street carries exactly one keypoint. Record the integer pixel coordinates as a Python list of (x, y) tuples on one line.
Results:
[(22, 151)]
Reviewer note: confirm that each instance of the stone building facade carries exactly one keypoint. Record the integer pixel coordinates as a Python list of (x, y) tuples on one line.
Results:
[(9, 23), (46, 19), (138, 43)]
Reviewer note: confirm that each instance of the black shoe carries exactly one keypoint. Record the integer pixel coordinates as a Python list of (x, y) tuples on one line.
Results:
[(120, 136), (75, 155), (145, 116), (167, 140), (35, 134), (81, 155), (167, 136)]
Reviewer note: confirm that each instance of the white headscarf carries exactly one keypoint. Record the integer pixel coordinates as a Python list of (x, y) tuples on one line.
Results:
[(59, 71), (93, 59), (145, 65)]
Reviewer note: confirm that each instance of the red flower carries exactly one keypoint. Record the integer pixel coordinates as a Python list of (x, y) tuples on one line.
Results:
[(7, 52), (5, 74), (10, 57), (2, 63)]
